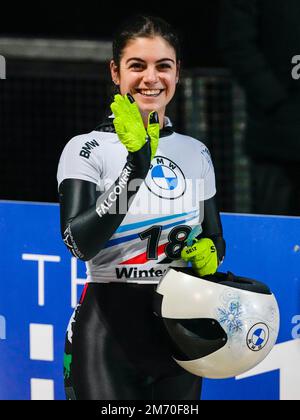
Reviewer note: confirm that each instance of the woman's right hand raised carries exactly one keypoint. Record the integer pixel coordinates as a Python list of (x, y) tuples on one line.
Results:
[(129, 125)]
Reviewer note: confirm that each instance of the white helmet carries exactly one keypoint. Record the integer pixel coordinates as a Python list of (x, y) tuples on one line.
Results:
[(221, 325)]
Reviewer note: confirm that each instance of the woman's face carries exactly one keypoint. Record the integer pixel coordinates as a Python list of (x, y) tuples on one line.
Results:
[(149, 72)]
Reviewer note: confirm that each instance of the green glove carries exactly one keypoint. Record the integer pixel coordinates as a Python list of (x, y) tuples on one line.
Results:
[(130, 127), (203, 256)]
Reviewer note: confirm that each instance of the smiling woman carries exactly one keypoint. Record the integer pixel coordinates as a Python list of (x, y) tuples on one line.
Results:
[(146, 64), (127, 209)]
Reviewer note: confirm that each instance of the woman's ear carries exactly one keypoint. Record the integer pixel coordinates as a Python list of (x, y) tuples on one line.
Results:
[(178, 71), (114, 71)]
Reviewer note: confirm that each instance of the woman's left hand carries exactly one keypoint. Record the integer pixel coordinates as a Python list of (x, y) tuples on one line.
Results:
[(203, 256)]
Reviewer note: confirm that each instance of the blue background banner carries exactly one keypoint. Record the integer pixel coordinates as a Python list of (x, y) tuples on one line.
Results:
[(40, 282)]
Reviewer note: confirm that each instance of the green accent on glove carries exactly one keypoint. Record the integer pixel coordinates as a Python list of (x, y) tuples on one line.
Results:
[(153, 132), (67, 365), (203, 256), (130, 127)]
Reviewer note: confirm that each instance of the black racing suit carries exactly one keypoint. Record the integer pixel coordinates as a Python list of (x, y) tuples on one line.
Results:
[(116, 348)]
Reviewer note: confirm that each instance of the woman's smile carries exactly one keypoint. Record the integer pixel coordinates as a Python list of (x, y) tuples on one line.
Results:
[(149, 93)]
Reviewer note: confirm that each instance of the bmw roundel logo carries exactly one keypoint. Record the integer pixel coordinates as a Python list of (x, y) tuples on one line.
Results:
[(258, 337), (166, 179)]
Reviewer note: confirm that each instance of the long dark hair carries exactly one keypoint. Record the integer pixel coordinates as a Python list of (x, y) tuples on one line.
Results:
[(142, 26)]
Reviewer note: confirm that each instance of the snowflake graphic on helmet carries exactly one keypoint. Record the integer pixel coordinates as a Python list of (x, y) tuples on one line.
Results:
[(230, 318)]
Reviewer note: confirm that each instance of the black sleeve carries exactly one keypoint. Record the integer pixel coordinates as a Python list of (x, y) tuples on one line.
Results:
[(88, 218), (212, 227), (238, 39)]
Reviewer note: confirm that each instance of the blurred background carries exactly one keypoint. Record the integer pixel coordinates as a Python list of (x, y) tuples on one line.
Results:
[(58, 85)]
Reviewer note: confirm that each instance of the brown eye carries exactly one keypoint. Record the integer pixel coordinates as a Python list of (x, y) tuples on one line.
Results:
[(136, 66), (164, 67)]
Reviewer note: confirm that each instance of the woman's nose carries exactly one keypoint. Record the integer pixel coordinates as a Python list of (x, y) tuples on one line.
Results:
[(150, 75)]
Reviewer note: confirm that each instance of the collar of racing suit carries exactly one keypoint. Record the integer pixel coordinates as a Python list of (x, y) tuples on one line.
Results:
[(108, 127)]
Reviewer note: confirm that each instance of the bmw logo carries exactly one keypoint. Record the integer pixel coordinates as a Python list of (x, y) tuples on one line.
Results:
[(258, 337), (165, 179)]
